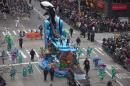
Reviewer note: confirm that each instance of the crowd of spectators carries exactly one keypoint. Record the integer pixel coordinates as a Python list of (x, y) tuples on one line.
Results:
[(15, 7), (68, 10), (119, 48)]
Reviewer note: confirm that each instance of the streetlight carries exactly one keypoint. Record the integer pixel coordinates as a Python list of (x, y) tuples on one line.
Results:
[(79, 5)]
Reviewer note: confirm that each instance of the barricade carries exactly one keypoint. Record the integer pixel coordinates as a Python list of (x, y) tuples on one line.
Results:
[(33, 35)]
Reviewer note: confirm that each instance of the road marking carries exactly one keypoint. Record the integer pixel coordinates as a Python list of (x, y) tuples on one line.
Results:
[(18, 64), (29, 30), (37, 54), (84, 49), (34, 30), (109, 66), (22, 25), (99, 51), (25, 31), (14, 32), (37, 69), (94, 52), (3, 33), (18, 31), (41, 15), (123, 76), (116, 79), (24, 56), (9, 33)]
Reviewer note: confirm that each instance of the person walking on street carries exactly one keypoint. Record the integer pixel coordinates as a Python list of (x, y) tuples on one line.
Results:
[(86, 66), (71, 31), (32, 53), (52, 73), (78, 41), (20, 42), (45, 71)]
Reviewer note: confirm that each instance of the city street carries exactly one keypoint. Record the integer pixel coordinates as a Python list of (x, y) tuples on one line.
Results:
[(36, 79)]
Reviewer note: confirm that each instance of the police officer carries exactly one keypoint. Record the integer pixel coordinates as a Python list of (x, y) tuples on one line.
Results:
[(32, 53), (45, 71), (52, 73)]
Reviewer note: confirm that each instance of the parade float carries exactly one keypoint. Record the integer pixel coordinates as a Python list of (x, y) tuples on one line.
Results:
[(58, 52)]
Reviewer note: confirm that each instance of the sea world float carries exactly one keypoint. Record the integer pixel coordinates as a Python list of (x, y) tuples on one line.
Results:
[(58, 51)]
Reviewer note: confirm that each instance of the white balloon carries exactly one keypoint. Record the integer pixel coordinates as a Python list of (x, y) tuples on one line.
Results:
[(46, 4)]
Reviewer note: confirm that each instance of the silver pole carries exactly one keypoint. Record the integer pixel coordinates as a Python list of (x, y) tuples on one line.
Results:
[(79, 5)]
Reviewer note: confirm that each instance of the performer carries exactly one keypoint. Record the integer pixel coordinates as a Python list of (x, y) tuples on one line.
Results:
[(13, 73)]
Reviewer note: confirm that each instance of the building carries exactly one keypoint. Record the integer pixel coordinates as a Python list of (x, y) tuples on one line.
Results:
[(115, 8)]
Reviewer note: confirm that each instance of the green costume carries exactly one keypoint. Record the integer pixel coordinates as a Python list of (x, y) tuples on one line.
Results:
[(113, 72), (30, 68), (25, 72), (12, 73)]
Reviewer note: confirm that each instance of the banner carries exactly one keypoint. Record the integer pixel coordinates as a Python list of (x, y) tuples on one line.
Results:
[(119, 7), (101, 4)]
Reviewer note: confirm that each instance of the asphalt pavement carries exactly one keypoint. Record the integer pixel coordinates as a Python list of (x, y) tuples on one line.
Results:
[(36, 79)]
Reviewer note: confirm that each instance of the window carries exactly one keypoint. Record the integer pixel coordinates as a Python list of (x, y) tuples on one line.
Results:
[(120, 1), (129, 1), (114, 1)]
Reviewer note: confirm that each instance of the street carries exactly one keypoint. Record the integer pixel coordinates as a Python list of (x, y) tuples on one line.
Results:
[(36, 79)]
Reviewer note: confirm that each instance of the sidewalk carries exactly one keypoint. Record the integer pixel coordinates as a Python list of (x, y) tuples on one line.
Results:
[(100, 36)]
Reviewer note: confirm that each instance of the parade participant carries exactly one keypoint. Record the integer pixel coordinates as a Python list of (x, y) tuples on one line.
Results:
[(3, 56), (13, 73), (71, 31), (113, 73), (52, 73), (78, 41), (45, 71), (25, 72), (89, 51), (32, 53), (20, 58), (102, 72), (86, 66), (21, 42), (30, 68), (9, 42), (68, 41), (61, 41)]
